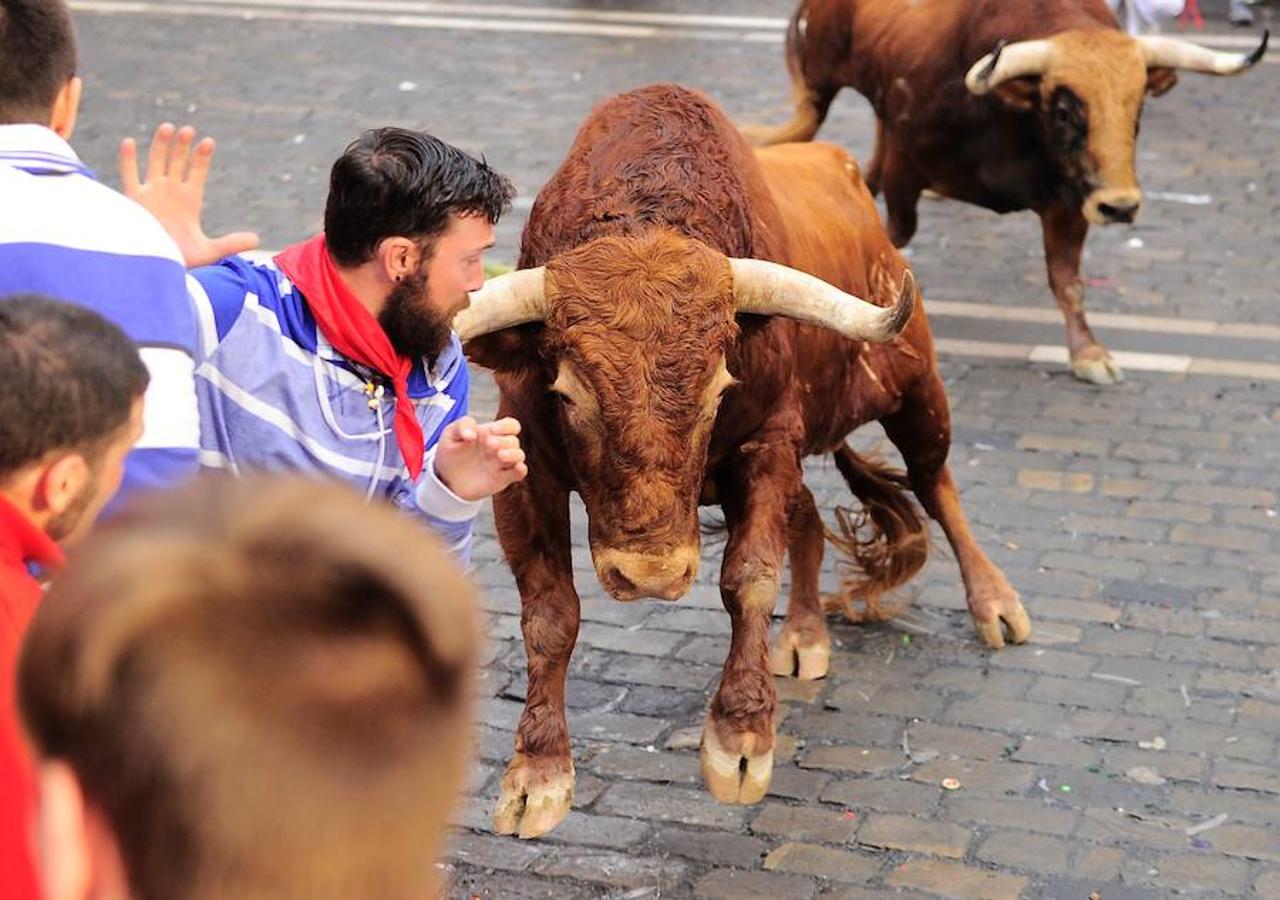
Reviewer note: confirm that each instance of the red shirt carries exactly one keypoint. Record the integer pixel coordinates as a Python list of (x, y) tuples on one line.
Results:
[(20, 543)]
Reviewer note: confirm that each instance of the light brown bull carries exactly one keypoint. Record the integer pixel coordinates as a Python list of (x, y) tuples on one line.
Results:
[(1006, 105), (663, 347)]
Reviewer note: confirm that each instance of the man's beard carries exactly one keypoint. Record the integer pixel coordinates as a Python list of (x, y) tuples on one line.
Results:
[(66, 522), (415, 328)]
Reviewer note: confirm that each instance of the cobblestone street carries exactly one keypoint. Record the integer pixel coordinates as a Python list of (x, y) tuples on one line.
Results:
[(1130, 750)]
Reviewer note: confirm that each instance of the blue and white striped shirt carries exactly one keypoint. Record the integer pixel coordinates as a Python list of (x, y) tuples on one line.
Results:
[(274, 394), (64, 235)]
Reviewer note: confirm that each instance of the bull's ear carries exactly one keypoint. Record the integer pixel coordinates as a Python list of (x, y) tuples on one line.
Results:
[(1161, 80), (1019, 93), (508, 350)]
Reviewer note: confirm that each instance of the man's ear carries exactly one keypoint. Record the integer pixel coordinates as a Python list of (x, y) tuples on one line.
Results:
[(61, 483), (1161, 80), (398, 258), (1019, 93), (66, 108), (62, 834)]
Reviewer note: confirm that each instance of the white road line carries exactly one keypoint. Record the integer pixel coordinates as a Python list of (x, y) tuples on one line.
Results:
[(1119, 321), (502, 18), (1128, 359)]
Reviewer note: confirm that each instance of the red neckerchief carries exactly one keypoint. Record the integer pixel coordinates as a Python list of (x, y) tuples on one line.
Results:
[(355, 333)]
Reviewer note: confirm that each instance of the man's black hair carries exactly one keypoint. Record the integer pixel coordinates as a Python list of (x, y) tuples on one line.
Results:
[(396, 182), (37, 57), (68, 380)]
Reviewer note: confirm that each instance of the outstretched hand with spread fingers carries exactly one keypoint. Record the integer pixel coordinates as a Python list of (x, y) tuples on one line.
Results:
[(173, 192)]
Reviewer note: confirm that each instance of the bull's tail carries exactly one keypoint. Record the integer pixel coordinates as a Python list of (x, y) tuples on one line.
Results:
[(884, 544)]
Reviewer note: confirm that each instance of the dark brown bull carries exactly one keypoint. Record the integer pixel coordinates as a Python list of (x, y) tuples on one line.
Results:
[(665, 363), (1009, 106)]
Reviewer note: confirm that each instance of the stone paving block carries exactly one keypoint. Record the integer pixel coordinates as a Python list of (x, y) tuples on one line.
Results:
[(659, 673), (804, 824), (1268, 884), (1204, 650), (641, 641), (1247, 841), (1238, 743), (645, 700), (1073, 610), (469, 884), (490, 852), (864, 760), (955, 880), (1072, 692), (1173, 766), (905, 702), (794, 690), (796, 783), (1108, 826), (1052, 480), (599, 831), (897, 832), (1097, 863), (1134, 488), (1190, 873), (733, 884), (716, 847), (1028, 813), (1219, 537), (617, 727), (978, 777), (823, 725), (617, 870), (821, 862), (1028, 852), (1044, 660), (883, 794), (862, 893), (1075, 753), (1092, 566), (980, 682), (707, 650), (968, 743), (1010, 716), (637, 764), (686, 806), (1063, 444)]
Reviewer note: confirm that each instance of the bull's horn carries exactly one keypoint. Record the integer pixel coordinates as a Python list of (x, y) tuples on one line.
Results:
[(1008, 61), (503, 302), (769, 289), (1171, 53)]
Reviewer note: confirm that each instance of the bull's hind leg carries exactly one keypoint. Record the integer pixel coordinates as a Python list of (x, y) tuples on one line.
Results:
[(533, 527), (803, 646), (921, 430), (737, 741), (1064, 233), (902, 186)]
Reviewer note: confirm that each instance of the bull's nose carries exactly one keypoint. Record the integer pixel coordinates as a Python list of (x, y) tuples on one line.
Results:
[(1108, 206), (629, 576), (1119, 210)]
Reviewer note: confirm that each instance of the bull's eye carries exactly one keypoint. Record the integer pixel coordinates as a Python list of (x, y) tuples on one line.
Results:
[(562, 398)]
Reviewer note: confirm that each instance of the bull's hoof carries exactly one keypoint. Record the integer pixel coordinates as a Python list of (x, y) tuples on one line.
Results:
[(1095, 365), (1007, 615), (536, 796), (736, 776), (801, 653)]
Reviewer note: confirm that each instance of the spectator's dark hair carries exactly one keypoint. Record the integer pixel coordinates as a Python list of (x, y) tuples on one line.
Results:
[(264, 686), (37, 57), (68, 380), (395, 182)]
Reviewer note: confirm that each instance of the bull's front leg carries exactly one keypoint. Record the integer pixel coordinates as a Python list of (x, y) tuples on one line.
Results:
[(533, 526), (737, 741), (1064, 233)]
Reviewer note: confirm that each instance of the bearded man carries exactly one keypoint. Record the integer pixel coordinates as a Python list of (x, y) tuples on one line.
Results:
[(336, 357)]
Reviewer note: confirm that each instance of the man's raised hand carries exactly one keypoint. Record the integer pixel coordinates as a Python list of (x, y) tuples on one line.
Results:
[(476, 461), (173, 192)]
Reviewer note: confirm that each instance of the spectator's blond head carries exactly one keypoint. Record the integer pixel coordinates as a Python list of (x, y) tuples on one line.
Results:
[(264, 686)]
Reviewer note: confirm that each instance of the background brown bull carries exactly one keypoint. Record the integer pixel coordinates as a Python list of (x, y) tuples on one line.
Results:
[(1005, 105), (664, 363)]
